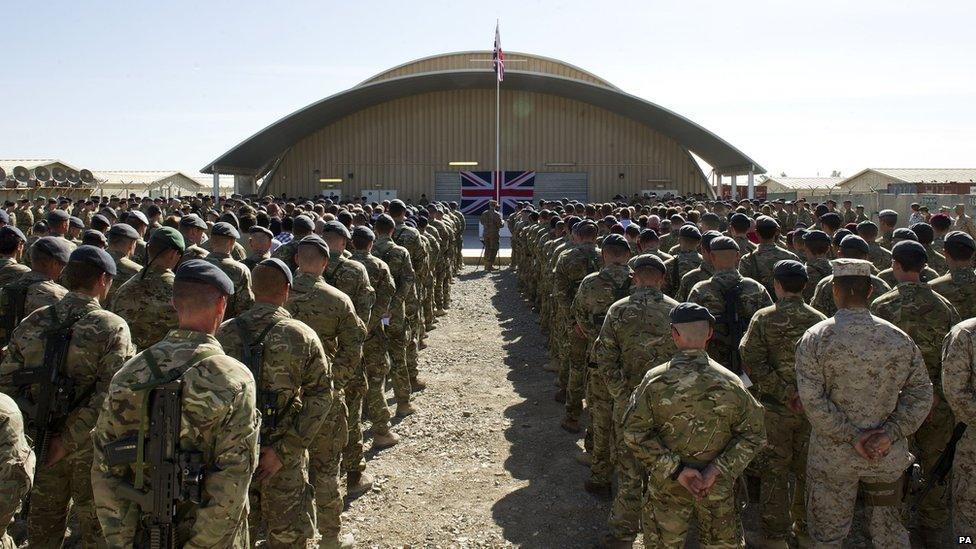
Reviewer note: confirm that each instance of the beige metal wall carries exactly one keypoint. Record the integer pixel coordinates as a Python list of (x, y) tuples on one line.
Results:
[(868, 182), (400, 144)]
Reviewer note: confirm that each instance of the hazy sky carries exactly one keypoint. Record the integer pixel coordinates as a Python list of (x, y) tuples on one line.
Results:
[(801, 87)]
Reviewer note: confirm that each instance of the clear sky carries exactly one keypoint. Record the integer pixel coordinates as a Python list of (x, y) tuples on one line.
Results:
[(802, 87)]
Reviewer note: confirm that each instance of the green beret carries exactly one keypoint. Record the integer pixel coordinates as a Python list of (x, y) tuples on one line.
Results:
[(169, 237)]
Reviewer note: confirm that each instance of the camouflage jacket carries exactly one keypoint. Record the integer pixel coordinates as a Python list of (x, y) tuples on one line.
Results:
[(571, 267), (758, 265), (597, 292), (254, 258), (711, 295), (768, 349), (681, 263), (817, 270), (16, 462), (409, 238), (237, 253), (692, 411), (41, 291), (397, 258), (146, 303), (959, 287), (381, 280), (692, 277), (295, 371), (878, 256), (351, 278), (219, 420), (922, 314), (888, 275), (333, 317), (491, 220), (286, 252), (193, 252), (99, 345), (856, 372), (823, 296), (11, 270), (959, 371), (243, 298), (635, 335), (937, 261), (125, 268)]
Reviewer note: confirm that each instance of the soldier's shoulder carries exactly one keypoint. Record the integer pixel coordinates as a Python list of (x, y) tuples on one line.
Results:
[(8, 407), (104, 320), (224, 371), (966, 327)]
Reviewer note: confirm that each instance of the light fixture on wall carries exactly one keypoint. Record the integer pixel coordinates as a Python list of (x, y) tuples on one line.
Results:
[(560, 164), (331, 180), (463, 163)]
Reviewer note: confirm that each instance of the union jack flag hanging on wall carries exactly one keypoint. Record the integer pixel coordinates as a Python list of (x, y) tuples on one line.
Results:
[(477, 188)]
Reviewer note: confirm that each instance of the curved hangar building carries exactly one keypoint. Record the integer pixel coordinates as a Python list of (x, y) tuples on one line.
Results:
[(416, 128)]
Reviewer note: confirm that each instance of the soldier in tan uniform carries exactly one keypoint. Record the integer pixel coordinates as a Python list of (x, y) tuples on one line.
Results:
[(16, 466), (959, 284), (491, 222), (958, 375), (222, 240), (122, 240)]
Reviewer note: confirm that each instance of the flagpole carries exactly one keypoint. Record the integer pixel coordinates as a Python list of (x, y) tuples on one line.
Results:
[(498, 167)]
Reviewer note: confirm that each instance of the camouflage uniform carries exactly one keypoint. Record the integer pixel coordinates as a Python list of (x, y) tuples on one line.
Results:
[(237, 253), (333, 317), (572, 266), (694, 276), (286, 252), (193, 251), (752, 296), (491, 221), (243, 298), (635, 335), (125, 268), (926, 317), (41, 291), (692, 412), (823, 296), (16, 466), (375, 361), (409, 238), (11, 270), (681, 263), (856, 372), (25, 220), (767, 352), (397, 259), (958, 373), (878, 256), (936, 260), (219, 420), (254, 258), (758, 265), (817, 270), (99, 345), (888, 275), (959, 287), (297, 373), (596, 293), (146, 303)]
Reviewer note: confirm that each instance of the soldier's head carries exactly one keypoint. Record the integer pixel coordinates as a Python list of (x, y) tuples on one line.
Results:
[(398, 210), (723, 253), (270, 281), (648, 241), (200, 293), (223, 236), (851, 283), (586, 231), (312, 255), (164, 249), (816, 243), (49, 255), (384, 226), (941, 224), (336, 235), (853, 247), (122, 239), (887, 219), (259, 238), (688, 237), (908, 258), (89, 271), (58, 221), (615, 250), (649, 271), (302, 226), (193, 226), (959, 250), (789, 278), (691, 326), (362, 239), (739, 223), (12, 242), (767, 228)]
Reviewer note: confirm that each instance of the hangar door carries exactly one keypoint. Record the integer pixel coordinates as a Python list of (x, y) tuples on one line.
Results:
[(548, 186)]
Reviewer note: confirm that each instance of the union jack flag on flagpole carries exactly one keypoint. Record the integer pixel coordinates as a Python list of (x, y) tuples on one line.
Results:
[(477, 188), (498, 56)]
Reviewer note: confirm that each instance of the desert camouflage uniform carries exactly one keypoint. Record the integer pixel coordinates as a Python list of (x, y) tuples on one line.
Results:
[(243, 298), (888, 275), (572, 266), (409, 238), (41, 291), (125, 268), (681, 263), (100, 344), (878, 256), (219, 420), (635, 336), (856, 372), (254, 258), (959, 287), (146, 304), (817, 270), (767, 352), (959, 386), (926, 317), (694, 276), (16, 466), (11, 270), (752, 296), (297, 373), (333, 317), (692, 412), (375, 361), (397, 259), (597, 292), (491, 220), (823, 296), (758, 265), (936, 260)]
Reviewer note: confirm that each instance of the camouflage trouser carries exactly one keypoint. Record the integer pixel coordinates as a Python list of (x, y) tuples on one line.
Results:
[(324, 458), (398, 336), (285, 504), (561, 338), (412, 350), (929, 441), (377, 367), (625, 512), (576, 382), (786, 454), (444, 288), (57, 489), (491, 249), (831, 496), (352, 453), (964, 485), (429, 300), (598, 403), (668, 509)]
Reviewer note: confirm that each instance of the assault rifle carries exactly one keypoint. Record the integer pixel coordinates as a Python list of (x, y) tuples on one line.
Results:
[(733, 324), (942, 467)]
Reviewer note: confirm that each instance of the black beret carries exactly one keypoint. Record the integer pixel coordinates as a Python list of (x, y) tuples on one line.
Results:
[(856, 243), (887, 213), (106, 211), (766, 222), (955, 237), (707, 237), (840, 235), (830, 215), (276, 263), (905, 234), (54, 246), (739, 218), (304, 222), (410, 223), (649, 235), (57, 215), (95, 257), (198, 270), (336, 228), (94, 238), (139, 216), (789, 269), (710, 217), (223, 228), (363, 231), (99, 218), (259, 229), (816, 236), (193, 220), (689, 231), (9, 230), (76, 222), (723, 243), (909, 251), (648, 260), (924, 232), (616, 241), (690, 312), (315, 240), (867, 225), (123, 229)]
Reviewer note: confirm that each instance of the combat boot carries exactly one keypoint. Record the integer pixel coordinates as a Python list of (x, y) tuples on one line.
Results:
[(601, 490), (337, 542), (382, 441), (571, 425), (610, 541), (422, 345), (440, 312), (416, 384), (405, 409), (358, 483)]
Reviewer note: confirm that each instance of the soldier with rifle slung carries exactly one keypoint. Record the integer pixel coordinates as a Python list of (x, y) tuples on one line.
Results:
[(958, 372), (58, 366), (176, 442), (34, 289)]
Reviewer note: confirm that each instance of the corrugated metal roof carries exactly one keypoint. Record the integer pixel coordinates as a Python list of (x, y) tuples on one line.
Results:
[(806, 182), (31, 163), (140, 177), (930, 175)]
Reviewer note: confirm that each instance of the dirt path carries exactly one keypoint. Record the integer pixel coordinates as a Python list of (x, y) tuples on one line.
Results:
[(484, 462)]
